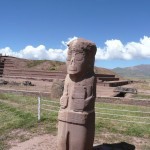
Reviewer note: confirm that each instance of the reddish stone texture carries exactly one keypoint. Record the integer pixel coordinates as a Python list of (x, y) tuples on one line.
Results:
[(1, 66), (77, 115), (15, 68)]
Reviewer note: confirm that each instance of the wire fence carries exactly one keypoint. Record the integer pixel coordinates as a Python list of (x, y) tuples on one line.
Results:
[(43, 106), (120, 115), (43, 113), (15, 108)]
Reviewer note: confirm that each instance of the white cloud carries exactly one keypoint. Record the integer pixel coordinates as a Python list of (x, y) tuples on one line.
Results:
[(114, 49), (69, 40), (9, 52)]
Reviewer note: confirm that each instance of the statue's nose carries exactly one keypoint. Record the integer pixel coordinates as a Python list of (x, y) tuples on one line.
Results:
[(72, 61)]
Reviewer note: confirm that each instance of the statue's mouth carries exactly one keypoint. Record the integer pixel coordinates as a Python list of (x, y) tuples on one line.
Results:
[(72, 68)]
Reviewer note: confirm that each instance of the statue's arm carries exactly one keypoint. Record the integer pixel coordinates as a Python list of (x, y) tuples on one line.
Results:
[(90, 100), (65, 97)]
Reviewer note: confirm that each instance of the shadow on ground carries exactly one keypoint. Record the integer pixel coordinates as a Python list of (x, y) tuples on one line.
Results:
[(115, 146)]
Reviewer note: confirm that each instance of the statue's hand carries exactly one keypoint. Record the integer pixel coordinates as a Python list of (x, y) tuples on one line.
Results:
[(64, 101), (89, 103)]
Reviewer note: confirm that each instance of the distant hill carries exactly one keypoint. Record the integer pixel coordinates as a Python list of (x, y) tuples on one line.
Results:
[(48, 65), (140, 71)]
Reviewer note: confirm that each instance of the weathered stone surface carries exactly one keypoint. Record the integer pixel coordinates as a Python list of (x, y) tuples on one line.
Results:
[(3, 82), (57, 88), (77, 115), (28, 83)]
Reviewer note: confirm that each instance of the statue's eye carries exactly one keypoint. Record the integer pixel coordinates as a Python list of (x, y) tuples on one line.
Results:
[(69, 52), (68, 57), (79, 56)]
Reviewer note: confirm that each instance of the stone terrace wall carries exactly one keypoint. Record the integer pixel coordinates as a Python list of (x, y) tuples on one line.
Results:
[(115, 83), (127, 101), (1, 66), (12, 70), (9, 68), (32, 74)]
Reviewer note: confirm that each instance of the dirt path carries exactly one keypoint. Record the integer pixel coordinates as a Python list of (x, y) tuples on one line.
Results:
[(42, 142), (48, 142)]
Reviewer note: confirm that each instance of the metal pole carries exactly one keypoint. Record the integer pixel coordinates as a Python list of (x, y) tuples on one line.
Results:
[(39, 108)]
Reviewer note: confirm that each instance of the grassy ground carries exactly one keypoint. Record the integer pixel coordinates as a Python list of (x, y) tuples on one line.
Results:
[(124, 119), (51, 65), (20, 113), (143, 89), (33, 63), (143, 85), (141, 96)]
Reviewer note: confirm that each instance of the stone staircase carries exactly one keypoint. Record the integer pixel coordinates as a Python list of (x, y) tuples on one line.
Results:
[(1, 66), (24, 73), (9, 69)]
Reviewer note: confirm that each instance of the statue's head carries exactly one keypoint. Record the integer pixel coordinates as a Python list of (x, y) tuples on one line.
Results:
[(81, 56)]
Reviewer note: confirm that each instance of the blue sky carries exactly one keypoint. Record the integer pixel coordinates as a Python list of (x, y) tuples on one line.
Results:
[(40, 29)]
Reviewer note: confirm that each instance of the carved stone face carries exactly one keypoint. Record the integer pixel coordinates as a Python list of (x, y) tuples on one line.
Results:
[(75, 62), (81, 56)]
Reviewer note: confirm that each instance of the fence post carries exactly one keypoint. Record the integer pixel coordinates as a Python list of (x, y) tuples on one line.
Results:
[(39, 108)]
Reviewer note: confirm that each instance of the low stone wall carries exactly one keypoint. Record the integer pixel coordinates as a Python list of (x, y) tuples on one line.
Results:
[(28, 93), (107, 79), (114, 83), (114, 100), (105, 75), (126, 101)]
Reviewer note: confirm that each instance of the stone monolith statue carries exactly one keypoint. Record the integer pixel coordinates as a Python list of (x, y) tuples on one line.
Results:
[(76, 119)]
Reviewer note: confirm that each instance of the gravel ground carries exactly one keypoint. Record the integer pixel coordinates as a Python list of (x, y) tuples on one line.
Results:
[(48, 142), (42, 142)]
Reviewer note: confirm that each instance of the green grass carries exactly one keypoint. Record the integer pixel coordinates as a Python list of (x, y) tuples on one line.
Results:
[(20, 112), (53, 65), (15, 118), (124, 127), (143, 86), (34, 63), (141, 96)]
